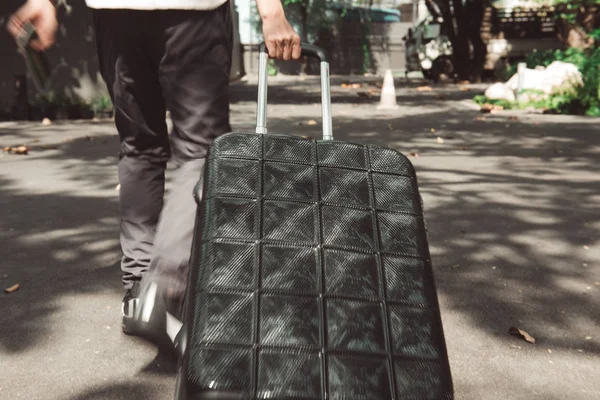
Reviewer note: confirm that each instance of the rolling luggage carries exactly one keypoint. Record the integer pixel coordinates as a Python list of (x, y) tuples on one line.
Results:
[(310, 273)]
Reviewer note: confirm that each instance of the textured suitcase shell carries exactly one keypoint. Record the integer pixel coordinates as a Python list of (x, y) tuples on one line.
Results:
[(311, 277)]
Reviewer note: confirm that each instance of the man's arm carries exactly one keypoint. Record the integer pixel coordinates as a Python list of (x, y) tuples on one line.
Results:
[(42, 14), (281, 39)]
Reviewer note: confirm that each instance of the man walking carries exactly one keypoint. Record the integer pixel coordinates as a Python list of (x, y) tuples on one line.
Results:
[(156, 55)]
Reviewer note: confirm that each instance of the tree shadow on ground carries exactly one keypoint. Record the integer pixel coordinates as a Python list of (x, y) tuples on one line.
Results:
[(508, 231), (294, 91), (507, 225)]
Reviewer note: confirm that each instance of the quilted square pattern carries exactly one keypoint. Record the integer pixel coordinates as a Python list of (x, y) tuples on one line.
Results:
[(289, 321), (351, 274), (359, 378), (314, 279), (416, 379), (355, 325), (232, 218), (389, 160), (401, 233), (346, 227), (235, 177), (344, 186), (289, 181), (414, 332), (278, 148), (237, 145), (288, 221), (342, 155), (225, 318), (230, 265), (408, 281), (220, 368), (291, 269), (396, 193), (288, 374)]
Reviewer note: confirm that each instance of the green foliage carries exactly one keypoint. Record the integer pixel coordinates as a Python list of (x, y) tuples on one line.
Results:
[(481, 100), (100, 104), (585, 99)]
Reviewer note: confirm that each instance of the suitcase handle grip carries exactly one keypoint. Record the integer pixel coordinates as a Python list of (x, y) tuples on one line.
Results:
[(307, 50)]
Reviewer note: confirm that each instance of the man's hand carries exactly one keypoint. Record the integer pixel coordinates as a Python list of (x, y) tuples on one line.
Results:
[(42, 14), (281, 39)]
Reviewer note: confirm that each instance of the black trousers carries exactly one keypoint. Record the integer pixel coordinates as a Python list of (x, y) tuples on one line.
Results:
[(152, 61)]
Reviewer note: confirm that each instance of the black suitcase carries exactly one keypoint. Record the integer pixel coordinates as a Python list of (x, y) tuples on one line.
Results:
[(310, 274)]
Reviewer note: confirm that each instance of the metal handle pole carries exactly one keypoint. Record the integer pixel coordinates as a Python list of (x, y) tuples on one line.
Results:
[(261, 111)]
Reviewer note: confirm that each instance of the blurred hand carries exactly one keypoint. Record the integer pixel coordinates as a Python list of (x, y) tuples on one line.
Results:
[(42, 14), (281, 39)]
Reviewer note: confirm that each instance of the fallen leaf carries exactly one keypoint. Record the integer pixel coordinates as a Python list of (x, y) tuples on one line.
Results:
[(311, 122), (46, 121), (355, 86), (586, 247), (588, 338), (490, 108), (432, 130), (415, 155), (549, 351), (440, 140), (464, 83), (7, 149), (118, 187), (424, 89), (579, 350), (344, 85), (23, 150), (588, 288), (12, 289), (522, 334)]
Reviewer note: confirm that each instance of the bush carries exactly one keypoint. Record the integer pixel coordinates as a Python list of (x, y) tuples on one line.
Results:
[(481, 100), (584, 99)]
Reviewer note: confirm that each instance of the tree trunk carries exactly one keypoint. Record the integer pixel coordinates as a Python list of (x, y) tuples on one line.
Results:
[(304, 35)]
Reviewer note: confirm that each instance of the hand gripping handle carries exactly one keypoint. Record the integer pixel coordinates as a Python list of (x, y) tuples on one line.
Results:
[(307, 50)]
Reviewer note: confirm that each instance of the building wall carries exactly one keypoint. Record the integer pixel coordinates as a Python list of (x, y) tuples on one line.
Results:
[(74, 63)]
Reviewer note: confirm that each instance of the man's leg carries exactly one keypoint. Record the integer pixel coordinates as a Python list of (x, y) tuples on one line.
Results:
[(194, 76), (130, 72)]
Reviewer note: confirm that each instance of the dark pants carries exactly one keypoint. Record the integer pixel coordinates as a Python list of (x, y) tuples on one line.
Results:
[(152, 61)]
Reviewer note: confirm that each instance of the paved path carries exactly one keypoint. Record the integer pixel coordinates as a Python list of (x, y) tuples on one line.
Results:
[(511, 204)]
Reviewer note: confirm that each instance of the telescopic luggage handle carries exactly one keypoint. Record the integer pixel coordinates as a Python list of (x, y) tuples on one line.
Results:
[(307, 50)]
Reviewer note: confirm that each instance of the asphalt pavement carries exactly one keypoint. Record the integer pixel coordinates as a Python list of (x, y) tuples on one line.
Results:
[(512, 207)]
